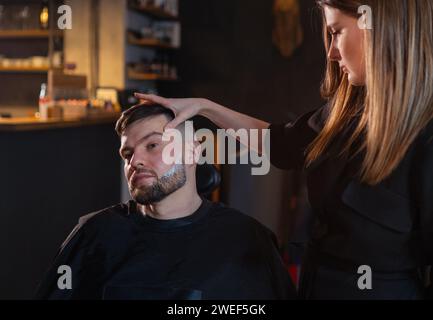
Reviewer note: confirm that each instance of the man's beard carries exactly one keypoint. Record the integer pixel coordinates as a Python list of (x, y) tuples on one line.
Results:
[(171, 181)]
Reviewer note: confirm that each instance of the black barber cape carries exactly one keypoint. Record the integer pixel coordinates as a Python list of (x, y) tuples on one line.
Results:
[(215, 253)]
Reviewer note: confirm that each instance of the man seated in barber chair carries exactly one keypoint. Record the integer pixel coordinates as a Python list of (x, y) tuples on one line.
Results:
[(169, 242)]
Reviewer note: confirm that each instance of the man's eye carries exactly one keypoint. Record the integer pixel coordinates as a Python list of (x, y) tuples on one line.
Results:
[(127, 156), (152, 146)]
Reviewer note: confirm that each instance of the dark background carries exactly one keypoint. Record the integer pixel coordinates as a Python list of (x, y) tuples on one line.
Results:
[(227, 56), (49, 178)]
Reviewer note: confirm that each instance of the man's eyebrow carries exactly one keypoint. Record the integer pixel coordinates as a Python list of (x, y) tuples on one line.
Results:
[(147, 136)]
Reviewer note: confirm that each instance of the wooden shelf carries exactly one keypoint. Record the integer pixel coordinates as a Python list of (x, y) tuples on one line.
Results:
[(8, 34), (26, 69), (154, 12), (33, 123), (153, 43), (133, 75)]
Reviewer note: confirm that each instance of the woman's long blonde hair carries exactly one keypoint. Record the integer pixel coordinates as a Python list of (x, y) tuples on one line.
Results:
[(397, 101)]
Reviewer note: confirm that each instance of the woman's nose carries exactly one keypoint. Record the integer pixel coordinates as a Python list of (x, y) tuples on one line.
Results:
[(334, 53)]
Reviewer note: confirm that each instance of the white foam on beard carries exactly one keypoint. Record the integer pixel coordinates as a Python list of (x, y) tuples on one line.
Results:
[(172, 171), (168, 183)]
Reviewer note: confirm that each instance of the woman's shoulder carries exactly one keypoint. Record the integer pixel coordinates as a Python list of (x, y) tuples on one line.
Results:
[(290, 140), (425, 138), (423, 153), (428, 130), (314, 119), (318, 117)]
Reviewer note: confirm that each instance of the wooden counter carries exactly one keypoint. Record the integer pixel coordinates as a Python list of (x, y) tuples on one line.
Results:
[(33, 123), (49, 178)]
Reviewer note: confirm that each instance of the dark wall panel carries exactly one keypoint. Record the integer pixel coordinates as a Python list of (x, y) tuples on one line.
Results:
[(48, 179), (227, 55)]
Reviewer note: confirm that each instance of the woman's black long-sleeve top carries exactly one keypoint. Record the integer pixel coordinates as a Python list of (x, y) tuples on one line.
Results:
[(388, 227)]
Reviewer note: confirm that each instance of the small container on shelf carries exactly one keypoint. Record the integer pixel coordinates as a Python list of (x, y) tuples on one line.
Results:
[(45, 103), (57, 59), (44, 15)]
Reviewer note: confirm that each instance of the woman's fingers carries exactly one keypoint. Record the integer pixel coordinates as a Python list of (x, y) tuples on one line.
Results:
[(183, 109), (175, 122), (153, 98)]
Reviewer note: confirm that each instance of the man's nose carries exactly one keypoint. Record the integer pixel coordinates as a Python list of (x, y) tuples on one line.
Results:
[(139, 160)]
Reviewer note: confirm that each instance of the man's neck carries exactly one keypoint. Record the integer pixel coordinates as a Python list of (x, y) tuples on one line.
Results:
[(179, 204)]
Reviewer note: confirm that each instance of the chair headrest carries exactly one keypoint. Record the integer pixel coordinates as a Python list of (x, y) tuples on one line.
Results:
[(208, 179)]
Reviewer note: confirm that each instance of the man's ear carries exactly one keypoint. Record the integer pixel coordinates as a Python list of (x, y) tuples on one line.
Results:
[(197, 151), (192, 153)]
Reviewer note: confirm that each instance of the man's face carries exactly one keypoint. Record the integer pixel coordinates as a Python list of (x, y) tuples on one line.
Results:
[(149, 179)]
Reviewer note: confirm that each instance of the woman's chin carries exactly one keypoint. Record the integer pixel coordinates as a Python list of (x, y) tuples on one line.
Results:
[(355, 81)]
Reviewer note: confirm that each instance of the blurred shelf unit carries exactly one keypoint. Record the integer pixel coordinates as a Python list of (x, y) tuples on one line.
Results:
[(148, 42), (134, 75), (30, 33), (153, 37), (154, 10), (31, 45), (26, 69)]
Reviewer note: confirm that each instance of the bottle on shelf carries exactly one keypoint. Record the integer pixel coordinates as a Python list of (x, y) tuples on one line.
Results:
[(44, 16), (44, 102), (165, 66), (57, 59), (155, 66)]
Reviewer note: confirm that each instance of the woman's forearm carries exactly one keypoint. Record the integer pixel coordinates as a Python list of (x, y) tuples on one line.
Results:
[(226, 118), (229, 119), (223, 117)]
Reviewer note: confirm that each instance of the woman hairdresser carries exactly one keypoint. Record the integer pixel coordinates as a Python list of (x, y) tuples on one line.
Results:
[(368, 153)]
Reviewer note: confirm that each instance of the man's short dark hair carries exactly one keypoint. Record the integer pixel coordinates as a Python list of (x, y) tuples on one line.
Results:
[(141, 111)]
